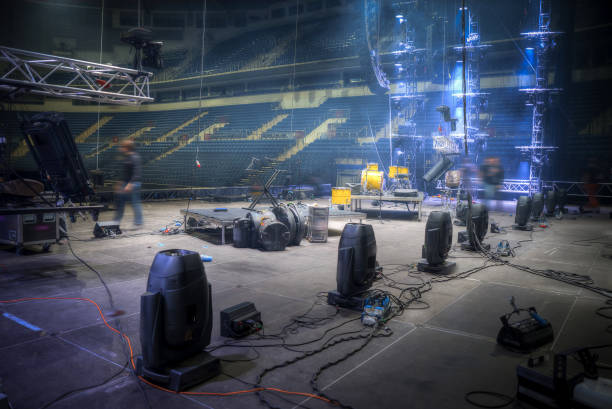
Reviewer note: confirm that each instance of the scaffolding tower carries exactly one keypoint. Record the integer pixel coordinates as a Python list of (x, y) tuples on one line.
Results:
[(543, 41), (476, 99), (406, 100)]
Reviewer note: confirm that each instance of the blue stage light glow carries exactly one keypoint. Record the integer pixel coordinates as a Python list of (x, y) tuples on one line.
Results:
[(523, 170)]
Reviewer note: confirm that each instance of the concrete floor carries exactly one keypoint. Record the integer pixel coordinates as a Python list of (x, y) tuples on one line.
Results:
[(433, 357)]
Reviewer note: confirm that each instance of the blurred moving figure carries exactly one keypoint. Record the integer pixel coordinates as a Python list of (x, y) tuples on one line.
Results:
[(591, 177), (129, 186), (492, 175), (468, 172)]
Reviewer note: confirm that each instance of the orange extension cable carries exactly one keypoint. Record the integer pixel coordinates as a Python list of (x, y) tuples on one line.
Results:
[(129, 343)]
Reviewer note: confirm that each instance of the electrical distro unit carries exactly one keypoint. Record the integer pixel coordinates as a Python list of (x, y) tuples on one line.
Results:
[(240, 320)]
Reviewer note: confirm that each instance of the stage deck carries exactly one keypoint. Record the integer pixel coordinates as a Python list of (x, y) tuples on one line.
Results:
[(417, 201), (439, 350)]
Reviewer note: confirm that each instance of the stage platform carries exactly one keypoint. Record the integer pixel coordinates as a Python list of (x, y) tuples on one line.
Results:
[(225, 219), (417, 201)]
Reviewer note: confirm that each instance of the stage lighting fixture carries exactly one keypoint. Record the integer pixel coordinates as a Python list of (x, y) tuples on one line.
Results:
[(445, 111), (176, 322), (562, 200), (146, 51), (356, 267), (438, 241), (461, 213), (522, 214), (551, 202), (438, 169), (537, 205), (477, 220)]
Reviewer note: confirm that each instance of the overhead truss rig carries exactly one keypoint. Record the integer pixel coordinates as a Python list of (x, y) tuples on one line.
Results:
[(538, 96), (54, 76)]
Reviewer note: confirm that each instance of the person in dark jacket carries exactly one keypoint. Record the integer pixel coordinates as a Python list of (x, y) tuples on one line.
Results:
[(492, 176), (129, 186)]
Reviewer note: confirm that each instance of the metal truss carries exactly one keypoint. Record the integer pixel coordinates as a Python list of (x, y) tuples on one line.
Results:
[(577, 188), (522, 186), (406, 101), (539, 96), (62, 77)]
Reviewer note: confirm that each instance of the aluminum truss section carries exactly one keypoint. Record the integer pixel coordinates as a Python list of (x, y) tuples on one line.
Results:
[(604, 190), (49, 75), (508, 185), (539, 96)]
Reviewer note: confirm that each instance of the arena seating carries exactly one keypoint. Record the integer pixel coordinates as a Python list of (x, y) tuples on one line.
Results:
[(168, 142)]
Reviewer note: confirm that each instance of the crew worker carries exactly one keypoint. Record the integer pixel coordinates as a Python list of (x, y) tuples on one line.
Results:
[(129, 186)]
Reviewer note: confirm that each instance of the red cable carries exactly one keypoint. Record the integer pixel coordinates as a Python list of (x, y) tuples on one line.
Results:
[(161, 388)]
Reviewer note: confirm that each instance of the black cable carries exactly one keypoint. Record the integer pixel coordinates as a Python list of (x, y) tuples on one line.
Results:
[(601, 313), (108, 291), (280, 395), (320, 370), (307, 354), (590, 242), (67, 394), (506, 400), (257, 355), (578, 280), (112, 304)]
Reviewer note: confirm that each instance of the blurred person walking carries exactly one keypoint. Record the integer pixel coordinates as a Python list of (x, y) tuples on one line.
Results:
[(468, 172), (591, 178), (492, 175), (129, 186)]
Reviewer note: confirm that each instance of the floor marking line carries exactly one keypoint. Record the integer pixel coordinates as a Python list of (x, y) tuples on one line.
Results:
[(82, 348), (552, 347), (453, 302), (197, 401), (460, 333), (21, 322), (96, 324)]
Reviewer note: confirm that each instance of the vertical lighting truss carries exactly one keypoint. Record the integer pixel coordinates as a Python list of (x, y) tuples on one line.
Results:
[(543, 41), (406, 100), (476, 99)]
